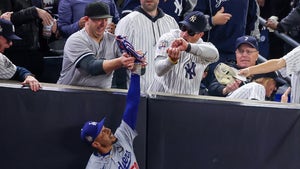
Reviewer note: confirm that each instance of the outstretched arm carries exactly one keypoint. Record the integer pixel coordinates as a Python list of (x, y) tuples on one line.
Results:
[(132, 101), (266, 67)]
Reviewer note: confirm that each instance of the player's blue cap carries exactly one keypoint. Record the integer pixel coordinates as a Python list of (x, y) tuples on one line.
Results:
[(91, 130), (246, 40), (7, 30), (195, 21)]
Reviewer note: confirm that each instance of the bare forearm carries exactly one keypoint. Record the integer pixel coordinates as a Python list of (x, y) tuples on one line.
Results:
[(111, 65), (269, 66)]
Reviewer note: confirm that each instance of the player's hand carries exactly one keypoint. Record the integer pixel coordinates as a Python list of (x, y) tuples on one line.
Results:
[(45, 16), (33, 83), (6, 15), (180, 43), (221, 18), (232, 87), (127, 61), (173, 54), (82, 21), (271, 23), (244, 72), (285, 95)]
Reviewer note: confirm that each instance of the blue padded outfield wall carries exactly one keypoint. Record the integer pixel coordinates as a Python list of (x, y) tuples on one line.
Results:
[(42, 130)]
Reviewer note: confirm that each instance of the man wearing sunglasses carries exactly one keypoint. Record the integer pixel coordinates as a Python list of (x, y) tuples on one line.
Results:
[(182, 56)]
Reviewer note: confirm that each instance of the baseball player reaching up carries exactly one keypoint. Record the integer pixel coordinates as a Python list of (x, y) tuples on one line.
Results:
[(115, 150)]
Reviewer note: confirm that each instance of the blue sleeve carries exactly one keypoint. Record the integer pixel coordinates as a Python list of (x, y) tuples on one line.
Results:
[(132, 101), (21, 74), (64, 22), (91, 65)]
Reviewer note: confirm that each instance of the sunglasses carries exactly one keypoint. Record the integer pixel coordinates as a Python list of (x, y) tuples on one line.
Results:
[(183, 28)]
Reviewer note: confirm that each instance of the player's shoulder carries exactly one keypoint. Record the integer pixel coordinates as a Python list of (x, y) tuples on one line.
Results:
[(77, 37), (173, 33)]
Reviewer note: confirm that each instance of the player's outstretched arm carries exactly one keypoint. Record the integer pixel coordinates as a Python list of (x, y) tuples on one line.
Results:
[(132, 101), (266, 67)]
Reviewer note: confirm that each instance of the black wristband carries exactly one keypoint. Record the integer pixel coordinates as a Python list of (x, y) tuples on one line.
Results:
[(188, 49)]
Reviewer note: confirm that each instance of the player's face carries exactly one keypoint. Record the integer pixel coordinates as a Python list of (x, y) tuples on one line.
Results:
[(270, 88), (149, 5), (246, 56), (189, 35), (106, 138), (96, 27), (4, 43)]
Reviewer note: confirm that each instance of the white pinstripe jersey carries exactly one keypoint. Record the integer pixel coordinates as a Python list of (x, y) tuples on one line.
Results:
[(250, 91), (7, 68), (292, 60), (143, 34), (79, 45), (185, 76)]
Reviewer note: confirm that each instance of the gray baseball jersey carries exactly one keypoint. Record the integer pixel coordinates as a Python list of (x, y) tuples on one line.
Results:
[(185, 76), (250, 91), (80, 45), (121, 155), (7, 68), (143, 34), (292, 60)]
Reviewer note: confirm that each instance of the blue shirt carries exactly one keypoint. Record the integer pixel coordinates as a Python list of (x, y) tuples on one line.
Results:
[(70, 12)]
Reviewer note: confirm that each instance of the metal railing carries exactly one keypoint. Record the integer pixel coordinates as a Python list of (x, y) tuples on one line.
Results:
[(282, 36), (285, 38)]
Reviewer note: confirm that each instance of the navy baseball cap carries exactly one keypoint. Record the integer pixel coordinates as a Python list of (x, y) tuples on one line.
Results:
[(195, 21), (7, 30), (246, 40), (279, 81), (97, 10), (91, 130)]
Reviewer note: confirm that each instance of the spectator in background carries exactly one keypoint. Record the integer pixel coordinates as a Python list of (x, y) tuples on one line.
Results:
[(289, 24), (7, 69), (28, 21), (71, 15), (203, 88), (92, 54), (290, 61), (181, 57), (228, 20), (274, 47), (143, 27), (176, 9), (246, 55), (262, 87)]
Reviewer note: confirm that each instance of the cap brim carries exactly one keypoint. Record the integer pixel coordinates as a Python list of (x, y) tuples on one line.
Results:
[(238, 45), (100, 126), (13, 37), (101, 17), (191, 27)]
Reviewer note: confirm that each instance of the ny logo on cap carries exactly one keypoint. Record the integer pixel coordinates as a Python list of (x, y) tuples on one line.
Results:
[(193, 18)]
